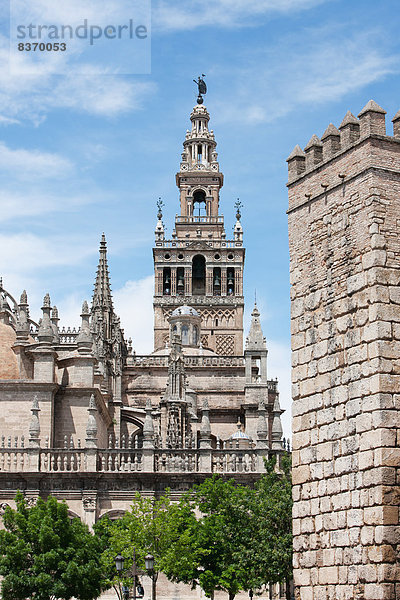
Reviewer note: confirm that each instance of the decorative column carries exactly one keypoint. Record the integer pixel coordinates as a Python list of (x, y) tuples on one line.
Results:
[(148, 440), (223, 282), (205, 459), (188, 281), (173, 281), (277, 430), (262, 436), (34, 437), (209, 281), (91, 437), (89, 502)]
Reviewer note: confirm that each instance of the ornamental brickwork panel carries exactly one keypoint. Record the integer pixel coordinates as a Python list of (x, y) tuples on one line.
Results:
[(225, 344)]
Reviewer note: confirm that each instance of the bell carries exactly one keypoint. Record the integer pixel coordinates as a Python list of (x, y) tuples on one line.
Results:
[(230, 280), (217, 280), (181, 281), (167, 278)]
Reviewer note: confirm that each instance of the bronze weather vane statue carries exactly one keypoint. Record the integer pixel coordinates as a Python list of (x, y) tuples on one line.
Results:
[(201, 84)]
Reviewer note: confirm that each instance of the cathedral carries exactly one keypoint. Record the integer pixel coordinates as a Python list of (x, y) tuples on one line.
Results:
[(87, 419)]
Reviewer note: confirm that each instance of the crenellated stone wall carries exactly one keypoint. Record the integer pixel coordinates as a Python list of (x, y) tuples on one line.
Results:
[(344, 226)]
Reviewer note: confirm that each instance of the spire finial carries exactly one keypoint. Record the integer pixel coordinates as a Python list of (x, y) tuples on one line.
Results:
[(102, 289), (238, 206), (45, 331), (202, 88), (160, 206), (255, 339), (84, 339)]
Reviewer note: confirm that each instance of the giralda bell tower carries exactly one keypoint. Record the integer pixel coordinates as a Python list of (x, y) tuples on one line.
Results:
[(199, 266)]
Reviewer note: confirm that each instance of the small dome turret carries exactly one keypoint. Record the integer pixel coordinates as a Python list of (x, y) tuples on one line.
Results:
[(185, 322)]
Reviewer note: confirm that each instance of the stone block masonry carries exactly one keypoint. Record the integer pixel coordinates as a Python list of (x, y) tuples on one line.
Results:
[(344, 226)]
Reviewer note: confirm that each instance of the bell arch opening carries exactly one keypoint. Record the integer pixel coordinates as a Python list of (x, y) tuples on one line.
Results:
[(199, 203), (198, 275)]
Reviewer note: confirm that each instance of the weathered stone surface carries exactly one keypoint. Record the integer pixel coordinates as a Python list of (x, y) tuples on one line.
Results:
[(345, 290)]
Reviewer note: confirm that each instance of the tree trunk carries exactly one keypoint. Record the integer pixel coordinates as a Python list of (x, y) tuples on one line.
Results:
[(231, 595)]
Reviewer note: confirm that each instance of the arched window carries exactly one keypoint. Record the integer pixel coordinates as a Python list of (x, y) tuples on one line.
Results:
[(185, 335), (180, 281), (230, 284), (167, 281), (217, 281), (198, 275), (199, 203), (195, 335)]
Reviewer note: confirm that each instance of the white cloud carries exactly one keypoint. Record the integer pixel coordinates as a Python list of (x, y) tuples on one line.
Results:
[(27, 252), (8, 121), (31, 96), (294, 73), (102, 95), (170, 15), (33, 163), (32, 203), (279, 366), (134, 304)]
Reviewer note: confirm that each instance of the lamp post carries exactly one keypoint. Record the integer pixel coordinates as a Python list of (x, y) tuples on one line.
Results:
[(119, 565), (149, 563)]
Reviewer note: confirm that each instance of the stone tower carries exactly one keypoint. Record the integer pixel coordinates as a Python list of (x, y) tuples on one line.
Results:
[(344, 225), (199, 266)]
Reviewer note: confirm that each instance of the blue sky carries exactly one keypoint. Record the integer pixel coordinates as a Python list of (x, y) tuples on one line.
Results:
[(80, 155)]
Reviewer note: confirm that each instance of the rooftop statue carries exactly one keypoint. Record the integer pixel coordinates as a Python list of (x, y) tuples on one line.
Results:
[(202, 88)]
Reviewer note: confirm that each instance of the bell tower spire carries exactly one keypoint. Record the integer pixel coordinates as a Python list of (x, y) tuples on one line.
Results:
[(199, 266)]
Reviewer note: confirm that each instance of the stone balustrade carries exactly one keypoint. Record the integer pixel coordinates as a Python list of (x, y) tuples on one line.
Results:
[(228, 459)]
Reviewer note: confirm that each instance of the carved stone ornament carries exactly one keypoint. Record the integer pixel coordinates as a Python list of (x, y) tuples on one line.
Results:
[(89, 503)]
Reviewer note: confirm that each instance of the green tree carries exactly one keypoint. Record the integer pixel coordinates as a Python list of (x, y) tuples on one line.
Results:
[(152, 526), (44, 555), (242, 539), (209, 553), (269, 556)]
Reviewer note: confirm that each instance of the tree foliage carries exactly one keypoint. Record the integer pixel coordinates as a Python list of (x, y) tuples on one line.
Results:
[(221, 535), (46, 556), (152, 526), (242, 539)]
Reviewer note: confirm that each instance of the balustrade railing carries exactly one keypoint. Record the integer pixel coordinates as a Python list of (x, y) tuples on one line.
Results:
[(211, 243), (62, 460), (120, 460), (227, 457), (14, 460), (234, 461), (68, 335), (199, 219), (176, 461)]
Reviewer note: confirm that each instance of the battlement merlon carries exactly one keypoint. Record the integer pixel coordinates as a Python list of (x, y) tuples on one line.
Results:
[(361, 146)]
